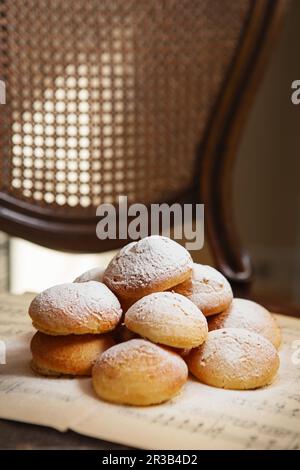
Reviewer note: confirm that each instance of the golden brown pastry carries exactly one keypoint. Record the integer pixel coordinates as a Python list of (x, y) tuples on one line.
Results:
[(249, 315), (138, 372), (67, 355), (152, 264), (75, 308), (234, 358), (167, 318), (208, 289), (96, 274)]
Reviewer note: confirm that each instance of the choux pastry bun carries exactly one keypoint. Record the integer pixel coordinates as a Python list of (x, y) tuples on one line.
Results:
[(94, 274), (208, 289), (138, 372), (149, 265), (168, 318), (75, 308), (249, 315), (67, 355), (234, 358)]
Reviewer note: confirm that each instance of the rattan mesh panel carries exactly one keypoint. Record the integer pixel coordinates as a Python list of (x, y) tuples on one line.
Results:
[(110, 97)]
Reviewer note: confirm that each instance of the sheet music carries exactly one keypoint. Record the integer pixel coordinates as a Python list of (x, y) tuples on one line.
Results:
[(201, 417)]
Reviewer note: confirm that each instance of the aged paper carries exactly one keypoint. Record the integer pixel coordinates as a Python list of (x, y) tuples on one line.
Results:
[(202, 417)]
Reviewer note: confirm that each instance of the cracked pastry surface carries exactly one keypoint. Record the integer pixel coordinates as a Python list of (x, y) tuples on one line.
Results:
[(234, 358), (167, 318), (67, 355), (208, 289), (75, 308), (138, 372), (149, 265), (243, 313)]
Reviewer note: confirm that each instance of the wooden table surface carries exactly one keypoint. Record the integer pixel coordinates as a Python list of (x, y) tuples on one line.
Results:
[(22, 436)]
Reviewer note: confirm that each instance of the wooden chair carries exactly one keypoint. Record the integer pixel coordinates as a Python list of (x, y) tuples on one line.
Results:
[(124, 97), (140, 98)]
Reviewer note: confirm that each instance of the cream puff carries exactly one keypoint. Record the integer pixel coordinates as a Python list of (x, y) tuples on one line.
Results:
[(168, 318), (208, 289), (249, 315), (152, 264), (75, 308), (67, 355), (94, 274), (139, 373), (234, 358)]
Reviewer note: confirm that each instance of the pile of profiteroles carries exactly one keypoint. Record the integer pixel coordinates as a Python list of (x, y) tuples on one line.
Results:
[(151, 316)]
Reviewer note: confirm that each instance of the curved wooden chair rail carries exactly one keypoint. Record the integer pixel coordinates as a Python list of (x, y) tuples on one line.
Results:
[(146, 99)]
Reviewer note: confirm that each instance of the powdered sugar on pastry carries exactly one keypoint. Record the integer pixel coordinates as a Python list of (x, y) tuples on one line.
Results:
[(168, 318), (208, 289), (95, 274), (234, 358), (76, 308), (243, 313), (138, 372), (152, 264)]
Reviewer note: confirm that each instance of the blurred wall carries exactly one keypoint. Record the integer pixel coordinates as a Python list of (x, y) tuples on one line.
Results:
[(267, 179)]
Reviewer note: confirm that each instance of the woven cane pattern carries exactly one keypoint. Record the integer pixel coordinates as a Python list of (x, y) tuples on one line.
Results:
[(109, 97)]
